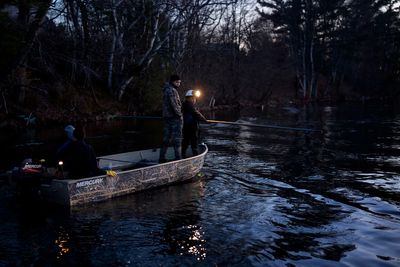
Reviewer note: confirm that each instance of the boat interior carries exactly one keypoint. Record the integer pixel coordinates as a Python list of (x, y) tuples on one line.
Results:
[(136, 159)]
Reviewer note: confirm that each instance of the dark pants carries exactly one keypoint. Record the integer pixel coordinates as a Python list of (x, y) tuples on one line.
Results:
[(172, 132), (190, 137)]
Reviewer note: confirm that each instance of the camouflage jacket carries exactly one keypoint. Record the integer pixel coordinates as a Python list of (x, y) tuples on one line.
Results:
[(172, 107)]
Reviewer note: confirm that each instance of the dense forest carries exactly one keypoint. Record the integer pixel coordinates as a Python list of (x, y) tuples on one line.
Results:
[(66, 58)]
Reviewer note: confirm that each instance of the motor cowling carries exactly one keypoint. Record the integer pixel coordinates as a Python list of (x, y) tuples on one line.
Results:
[(27, 177)]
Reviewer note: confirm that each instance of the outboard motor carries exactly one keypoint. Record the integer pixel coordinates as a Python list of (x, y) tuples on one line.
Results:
[(27, 177)]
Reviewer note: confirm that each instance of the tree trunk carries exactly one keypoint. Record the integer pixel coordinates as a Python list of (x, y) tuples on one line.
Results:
[(32, 31), (29, 39), (305, 81), (312, 70), (4, 102), (111, 65), (85, 24), (22, 83), (123, 88), (112, 49)]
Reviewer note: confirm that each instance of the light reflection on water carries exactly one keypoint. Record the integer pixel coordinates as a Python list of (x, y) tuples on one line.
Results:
[(268, 198), (62, 243)]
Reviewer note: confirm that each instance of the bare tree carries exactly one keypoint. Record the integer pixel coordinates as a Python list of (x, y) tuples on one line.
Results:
[(30, 19)]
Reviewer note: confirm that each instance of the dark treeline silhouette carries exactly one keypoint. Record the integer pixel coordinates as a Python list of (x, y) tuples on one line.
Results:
[(340, 43), (86, 56)]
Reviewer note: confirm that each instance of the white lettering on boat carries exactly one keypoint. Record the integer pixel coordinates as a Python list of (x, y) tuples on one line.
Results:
[(33, 166), (90, 182)]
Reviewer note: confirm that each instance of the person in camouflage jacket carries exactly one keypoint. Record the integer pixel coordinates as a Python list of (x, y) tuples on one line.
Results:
[(172, 115)]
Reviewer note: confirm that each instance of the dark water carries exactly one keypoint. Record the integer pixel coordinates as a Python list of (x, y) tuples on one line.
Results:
[(268, 198)]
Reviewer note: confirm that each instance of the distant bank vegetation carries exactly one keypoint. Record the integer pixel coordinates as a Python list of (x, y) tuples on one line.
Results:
[(71, 57)]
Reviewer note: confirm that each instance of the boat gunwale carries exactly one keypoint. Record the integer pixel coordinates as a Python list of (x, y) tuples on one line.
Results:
[(73, 181)]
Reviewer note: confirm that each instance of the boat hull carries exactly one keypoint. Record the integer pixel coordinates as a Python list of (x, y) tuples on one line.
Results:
[(94, 189)]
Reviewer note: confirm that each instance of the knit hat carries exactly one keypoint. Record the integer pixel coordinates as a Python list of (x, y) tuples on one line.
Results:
[(174, 78), (69, 130), (189, 93)]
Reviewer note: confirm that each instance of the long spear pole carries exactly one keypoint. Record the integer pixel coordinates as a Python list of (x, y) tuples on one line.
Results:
[(265, 126), (236, 123)]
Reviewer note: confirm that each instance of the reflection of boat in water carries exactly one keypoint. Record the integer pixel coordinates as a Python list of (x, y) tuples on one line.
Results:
[(166, 220), (135, 171), (175, 199)]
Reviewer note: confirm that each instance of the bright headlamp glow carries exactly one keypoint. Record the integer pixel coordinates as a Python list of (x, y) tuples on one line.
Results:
[(60, 163), (197, 93)]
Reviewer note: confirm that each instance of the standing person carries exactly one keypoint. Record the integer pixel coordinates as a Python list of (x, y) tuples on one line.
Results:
[(172, 115), (191, 119)]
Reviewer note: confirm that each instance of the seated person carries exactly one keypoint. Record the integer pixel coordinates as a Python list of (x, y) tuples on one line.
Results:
[(69, 131), (79, 158)]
